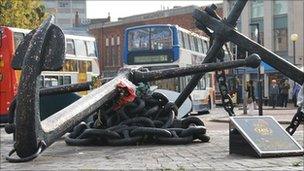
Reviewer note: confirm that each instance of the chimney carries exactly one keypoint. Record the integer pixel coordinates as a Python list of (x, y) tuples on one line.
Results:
[(77, 20), (109, 16)]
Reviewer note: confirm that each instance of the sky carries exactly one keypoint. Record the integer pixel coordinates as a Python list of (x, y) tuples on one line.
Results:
[(100, 9)]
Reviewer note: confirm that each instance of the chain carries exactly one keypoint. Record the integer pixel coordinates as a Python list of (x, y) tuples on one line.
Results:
[(296, 121), (226, 99), (151, 118), (220, 75)]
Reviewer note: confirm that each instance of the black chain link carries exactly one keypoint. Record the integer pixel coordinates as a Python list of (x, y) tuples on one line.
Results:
[(226, 98), (296, 121)]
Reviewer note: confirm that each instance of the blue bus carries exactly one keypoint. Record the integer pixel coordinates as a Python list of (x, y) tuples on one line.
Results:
[(161, 46)]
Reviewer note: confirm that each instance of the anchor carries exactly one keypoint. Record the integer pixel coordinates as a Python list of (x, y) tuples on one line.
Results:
[(43, 49)]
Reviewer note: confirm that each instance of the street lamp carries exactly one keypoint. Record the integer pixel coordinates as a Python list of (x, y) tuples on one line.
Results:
[(260, 102), (294, 38)]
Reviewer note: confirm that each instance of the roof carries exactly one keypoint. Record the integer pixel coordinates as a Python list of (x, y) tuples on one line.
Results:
[(75, 31), (147, 16)]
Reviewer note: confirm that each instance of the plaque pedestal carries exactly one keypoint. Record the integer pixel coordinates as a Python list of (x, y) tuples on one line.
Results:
[(238, 144), (261, 136)]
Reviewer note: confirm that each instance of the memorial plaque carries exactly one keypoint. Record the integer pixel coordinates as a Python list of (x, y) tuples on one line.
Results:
[(261, 136)]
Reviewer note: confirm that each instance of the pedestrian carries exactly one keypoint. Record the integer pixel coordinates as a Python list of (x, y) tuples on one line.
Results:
[(285, 91), (295, 91), (251, 97), (273, 93), (280, 95)]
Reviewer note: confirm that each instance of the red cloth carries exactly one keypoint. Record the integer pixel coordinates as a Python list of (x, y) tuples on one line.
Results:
[(128, 94)]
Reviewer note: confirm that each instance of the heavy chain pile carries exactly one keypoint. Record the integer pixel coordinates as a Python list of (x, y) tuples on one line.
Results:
[(148, 119)]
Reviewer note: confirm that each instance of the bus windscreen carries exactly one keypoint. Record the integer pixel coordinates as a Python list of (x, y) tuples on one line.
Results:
[(153, 38)]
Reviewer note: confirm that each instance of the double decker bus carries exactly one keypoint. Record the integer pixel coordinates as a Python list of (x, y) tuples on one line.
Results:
[(164, 46), (80, 65)]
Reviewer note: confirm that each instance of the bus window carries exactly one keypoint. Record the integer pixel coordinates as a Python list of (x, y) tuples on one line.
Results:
[(161, 38), (138, 39), (41, 82), (18, 37), (89, 66), (91, 48), (80, 48), (60, 80), (192, 42), (195, 44), (199, 45), (70, 48), (85, 66), (181, 39), (186, 40), (70, 65), (203, 83), (66, 79), (50, 81), (205, 46)]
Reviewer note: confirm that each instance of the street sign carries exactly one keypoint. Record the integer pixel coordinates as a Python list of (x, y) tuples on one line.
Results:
[(261, 136)]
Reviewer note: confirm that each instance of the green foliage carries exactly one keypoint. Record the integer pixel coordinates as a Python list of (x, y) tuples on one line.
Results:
[(21, 13)]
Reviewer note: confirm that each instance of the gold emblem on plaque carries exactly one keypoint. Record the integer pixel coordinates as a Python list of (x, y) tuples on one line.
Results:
[(262, 128)]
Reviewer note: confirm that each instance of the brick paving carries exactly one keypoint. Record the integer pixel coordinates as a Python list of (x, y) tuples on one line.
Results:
[(197, 156)]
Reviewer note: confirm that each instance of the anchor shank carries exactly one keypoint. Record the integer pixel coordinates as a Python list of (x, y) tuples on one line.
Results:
[(139, 76)]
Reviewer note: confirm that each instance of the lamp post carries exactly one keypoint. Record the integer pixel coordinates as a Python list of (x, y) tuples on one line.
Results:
[(260, 102), (294, 37)]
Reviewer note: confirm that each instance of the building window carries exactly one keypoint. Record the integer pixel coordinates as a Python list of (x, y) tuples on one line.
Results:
[(63, 4), (253, 30), (280, 33), (280, 23), (280, 7), (118, 55), (257, 9), (112, 41), (108, 56), (117, 40), (107, 41), (113, 56)]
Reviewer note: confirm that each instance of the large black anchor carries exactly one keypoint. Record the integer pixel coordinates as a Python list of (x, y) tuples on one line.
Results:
[(223, 31), (33, 56), (43, 49)]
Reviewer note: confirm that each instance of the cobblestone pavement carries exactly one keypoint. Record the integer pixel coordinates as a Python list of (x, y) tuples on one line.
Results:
[(198, 156)]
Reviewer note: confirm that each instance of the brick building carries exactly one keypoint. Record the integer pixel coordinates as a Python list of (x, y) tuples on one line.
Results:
[(110, 35)]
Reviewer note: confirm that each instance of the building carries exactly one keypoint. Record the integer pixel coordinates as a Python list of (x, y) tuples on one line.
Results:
[(110, 36), (65, 11), (278, 20)]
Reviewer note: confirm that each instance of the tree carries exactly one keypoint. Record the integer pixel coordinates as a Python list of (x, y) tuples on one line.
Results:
[(21, 13)]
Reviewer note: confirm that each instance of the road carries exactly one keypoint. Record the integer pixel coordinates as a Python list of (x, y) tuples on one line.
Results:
[(197, 156)]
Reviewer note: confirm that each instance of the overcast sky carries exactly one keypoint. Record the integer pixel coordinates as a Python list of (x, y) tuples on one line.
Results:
[(100, 9)]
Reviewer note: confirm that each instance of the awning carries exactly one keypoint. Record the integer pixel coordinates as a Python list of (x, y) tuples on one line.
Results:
[(267, 69)]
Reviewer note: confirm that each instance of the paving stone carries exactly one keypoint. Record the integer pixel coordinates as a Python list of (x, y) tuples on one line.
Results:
[(198, 156)]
